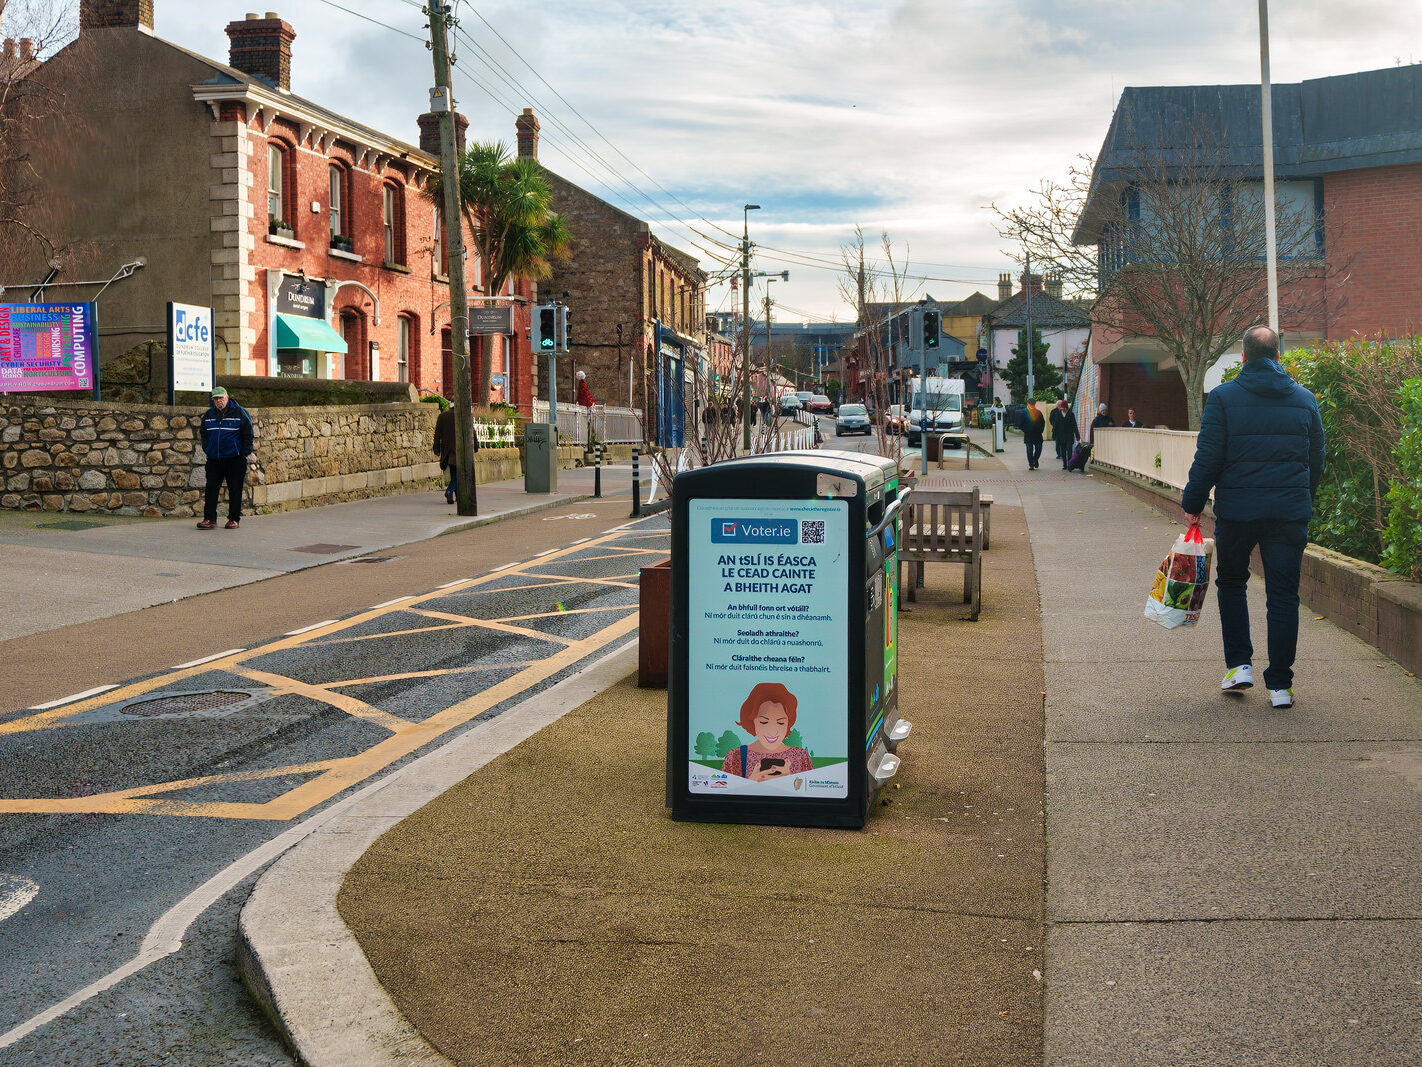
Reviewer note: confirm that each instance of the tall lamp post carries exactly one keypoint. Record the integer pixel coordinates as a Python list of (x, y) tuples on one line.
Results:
[(745, 326), (769, 354)]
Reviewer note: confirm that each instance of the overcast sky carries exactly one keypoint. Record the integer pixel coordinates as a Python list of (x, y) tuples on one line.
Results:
[(907, 117)]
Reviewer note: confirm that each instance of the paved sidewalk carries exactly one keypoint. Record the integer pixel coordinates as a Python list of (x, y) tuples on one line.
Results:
[(60, 569)]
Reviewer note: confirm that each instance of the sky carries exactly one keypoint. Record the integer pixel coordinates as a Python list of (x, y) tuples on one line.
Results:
[(902, 118)]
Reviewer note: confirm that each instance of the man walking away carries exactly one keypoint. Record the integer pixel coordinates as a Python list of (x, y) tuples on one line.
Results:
[(1064, 431), (227, 441), (445, 447), (1032, 426), (1261, 449)]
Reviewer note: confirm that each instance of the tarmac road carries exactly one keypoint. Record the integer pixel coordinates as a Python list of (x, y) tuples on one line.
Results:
[(121, 806)]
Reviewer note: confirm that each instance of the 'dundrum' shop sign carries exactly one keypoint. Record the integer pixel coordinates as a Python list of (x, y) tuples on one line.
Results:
[(768, 641)]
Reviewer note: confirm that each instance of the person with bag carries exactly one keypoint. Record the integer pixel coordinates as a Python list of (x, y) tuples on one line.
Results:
[(1260, 448), (1064, 431), (445, 447)]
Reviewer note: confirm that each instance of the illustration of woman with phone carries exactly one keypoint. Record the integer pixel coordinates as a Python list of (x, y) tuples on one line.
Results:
[(768, 714)]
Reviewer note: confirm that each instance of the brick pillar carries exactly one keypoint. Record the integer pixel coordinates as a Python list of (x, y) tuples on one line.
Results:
[(429, 132), (527, 127), (261, 47), (103, 14)]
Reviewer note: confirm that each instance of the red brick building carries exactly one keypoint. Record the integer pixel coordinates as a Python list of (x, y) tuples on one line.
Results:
[(1348, 155), (310, 234)]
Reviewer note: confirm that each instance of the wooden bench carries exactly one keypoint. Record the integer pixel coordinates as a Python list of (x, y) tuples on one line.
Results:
[(943, 526)]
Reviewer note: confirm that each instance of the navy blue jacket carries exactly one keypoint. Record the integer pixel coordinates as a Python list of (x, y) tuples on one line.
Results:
[(1260, 448), (227, 434)]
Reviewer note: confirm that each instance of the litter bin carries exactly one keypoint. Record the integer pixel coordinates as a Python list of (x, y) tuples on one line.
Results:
[(782, 703), (540, 458)]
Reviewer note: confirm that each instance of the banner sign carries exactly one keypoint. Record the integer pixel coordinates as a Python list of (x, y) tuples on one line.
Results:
[(190, 348), (47, 347), (767, 607), (495, 320), (301, 296)]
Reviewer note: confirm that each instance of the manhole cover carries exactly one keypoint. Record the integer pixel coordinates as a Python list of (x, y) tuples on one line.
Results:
[(187, 703), (324, 549), (70, 524)]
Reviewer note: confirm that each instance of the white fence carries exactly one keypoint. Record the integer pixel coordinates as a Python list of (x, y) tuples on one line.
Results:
[(1164, 455), (577, 425)]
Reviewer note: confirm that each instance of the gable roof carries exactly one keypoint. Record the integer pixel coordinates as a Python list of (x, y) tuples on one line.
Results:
[(1046, 311)]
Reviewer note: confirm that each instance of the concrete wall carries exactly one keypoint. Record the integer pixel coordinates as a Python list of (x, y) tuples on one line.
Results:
[(146, 459), (1380, 607)]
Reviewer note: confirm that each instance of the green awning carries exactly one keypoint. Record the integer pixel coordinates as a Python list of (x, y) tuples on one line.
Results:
[(296, 331)]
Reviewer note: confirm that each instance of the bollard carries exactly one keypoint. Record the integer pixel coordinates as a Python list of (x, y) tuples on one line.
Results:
[(597, 471), (636, 483)]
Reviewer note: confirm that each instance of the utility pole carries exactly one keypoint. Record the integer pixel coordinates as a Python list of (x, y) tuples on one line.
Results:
[(442, 102), (1031, 348), (1271, 257), (745, 327)]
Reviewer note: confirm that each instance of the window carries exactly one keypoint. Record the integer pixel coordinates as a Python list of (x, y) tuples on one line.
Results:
[(441, 245), (276, 167), (406, 348), (394, 224), (338, 200)]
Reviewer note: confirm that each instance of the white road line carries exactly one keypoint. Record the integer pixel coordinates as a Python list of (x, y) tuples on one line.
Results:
[(505, 567), (15, 893), (388, 603), (308, 629), (77, 696), (207, 659), (540, 555), (457, 581), (582, 541), (165, 936)]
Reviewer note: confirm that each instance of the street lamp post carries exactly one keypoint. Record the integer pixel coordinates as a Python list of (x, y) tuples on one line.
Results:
[(745, 326)]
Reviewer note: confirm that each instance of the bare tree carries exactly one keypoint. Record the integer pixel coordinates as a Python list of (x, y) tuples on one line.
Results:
[(32, 113), (1172, 247), (879, 291)]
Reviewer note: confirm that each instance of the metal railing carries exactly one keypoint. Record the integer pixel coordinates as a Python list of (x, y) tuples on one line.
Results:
[(580, 425), (1162, 455)]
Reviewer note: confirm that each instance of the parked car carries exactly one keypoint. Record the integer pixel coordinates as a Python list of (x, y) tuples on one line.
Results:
[(789, 404), (894, 419), (852, 418), (820, 404), (805, 396)]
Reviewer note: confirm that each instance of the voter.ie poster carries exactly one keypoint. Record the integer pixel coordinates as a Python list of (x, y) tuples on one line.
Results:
[(767, 693)]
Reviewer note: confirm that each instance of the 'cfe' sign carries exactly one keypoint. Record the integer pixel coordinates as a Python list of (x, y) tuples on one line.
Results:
[(190, 349)]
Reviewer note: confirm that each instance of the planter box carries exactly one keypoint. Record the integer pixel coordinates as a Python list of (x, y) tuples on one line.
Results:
[(654, 625)]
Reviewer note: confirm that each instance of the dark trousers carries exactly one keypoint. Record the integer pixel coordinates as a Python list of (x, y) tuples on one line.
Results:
[(1281, 547), (1034, 453), (453, 480), (233, 471), (1064, 445)]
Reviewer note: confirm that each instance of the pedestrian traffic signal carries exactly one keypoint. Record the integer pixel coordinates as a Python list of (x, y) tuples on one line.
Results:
[(545, 328), (931, 324), (565, 328)]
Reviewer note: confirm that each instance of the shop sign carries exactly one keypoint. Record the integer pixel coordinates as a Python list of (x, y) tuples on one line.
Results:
[(301, 296), (190, 348), (495, 320), (768, 648)]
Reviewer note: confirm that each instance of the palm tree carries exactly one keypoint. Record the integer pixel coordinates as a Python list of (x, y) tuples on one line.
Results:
[(507, 205)]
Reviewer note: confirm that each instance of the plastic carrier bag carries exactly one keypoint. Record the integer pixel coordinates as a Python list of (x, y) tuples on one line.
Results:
[(1178, 592)]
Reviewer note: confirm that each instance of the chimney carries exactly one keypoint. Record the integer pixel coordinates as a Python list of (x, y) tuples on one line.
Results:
[(527, 127), (1036, 282), (104, 14), (261, 47), (1054, 286), (429, 132), (1004, 286), (9, 52)]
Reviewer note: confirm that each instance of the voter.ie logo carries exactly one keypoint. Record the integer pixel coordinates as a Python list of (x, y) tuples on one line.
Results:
[(755, 531)]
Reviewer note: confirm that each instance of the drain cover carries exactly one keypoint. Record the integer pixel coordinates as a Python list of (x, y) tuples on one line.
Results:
[(71, 524), (187, 703)]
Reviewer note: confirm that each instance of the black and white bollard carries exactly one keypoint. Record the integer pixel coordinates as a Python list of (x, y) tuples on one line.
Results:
[(636, 483), (597, 471)]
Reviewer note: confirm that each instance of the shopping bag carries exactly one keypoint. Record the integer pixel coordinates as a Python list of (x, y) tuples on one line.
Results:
[(1182, 580)]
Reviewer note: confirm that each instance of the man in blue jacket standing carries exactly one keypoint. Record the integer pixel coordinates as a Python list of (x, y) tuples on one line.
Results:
[(227, 440), (1261, 448)]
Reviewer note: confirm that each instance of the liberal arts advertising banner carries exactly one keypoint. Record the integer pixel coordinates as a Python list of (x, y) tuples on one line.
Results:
[(46, 347), (768, 640)]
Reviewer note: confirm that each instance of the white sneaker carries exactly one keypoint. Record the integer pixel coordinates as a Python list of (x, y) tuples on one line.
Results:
[(1281, 698), (1237, 678)]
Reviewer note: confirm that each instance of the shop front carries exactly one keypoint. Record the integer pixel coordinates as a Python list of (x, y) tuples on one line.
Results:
[(302, 343)]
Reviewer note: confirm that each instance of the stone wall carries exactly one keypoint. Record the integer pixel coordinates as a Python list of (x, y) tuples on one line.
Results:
[(146, 459)]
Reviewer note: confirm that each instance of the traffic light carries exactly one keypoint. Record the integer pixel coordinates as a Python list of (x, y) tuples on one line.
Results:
[(565, 328), (931, 323), (545, 328)]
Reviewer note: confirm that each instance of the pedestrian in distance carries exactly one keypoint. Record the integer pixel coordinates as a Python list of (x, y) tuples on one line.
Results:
[(1260, 448), (1064, 431), (1033, 427), (446, 447), (1131, 422), (226, 432), (1102, 419)]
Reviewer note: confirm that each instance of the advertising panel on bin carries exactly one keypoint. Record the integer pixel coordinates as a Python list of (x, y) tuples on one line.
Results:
[(768, 639), (46, 347)]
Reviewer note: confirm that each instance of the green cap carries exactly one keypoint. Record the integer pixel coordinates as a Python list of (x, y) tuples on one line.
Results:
[(219, 391)]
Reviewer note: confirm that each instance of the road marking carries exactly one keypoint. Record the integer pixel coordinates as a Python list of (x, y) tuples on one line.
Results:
[(15, 893), (77, 696), (448, 585), (548, 553), (207, 659), (391, 603), (303, 630), (578, 515), (506, 566)]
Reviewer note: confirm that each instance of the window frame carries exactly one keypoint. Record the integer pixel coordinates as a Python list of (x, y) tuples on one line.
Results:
[(337, 198), (277, 193), (405, 345), (393, 212)]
